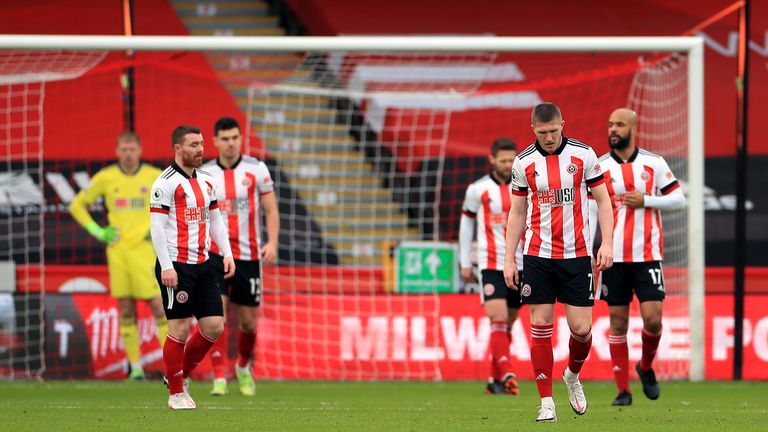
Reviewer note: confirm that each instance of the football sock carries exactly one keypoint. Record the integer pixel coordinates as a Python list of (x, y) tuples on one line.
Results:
[(130, 335), (162, 329), (620, 360), (541, 358), (173, 357), (246, 341), (500, 348), (196, 349), (219, 355), (578, 347), (650, 344)]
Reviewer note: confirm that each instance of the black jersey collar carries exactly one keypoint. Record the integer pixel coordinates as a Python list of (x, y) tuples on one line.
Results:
[(495, 180), (178, 169), (557, 150), (237, 162), (631, 158)]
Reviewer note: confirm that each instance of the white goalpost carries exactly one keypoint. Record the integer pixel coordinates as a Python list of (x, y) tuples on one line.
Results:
[(359, 132)]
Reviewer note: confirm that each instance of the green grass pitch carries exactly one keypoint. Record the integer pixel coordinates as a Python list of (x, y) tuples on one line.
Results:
[(379, 406)]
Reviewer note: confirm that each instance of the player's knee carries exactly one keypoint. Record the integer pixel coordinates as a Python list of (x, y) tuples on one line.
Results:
[(619, 328), (214, 329), (652, 325)]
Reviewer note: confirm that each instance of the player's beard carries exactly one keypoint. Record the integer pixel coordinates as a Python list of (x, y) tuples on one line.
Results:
[(194, 161), (501, 175), (622, 143)]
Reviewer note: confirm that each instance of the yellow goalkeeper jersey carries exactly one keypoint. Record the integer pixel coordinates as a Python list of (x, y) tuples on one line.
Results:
[(126, 197)]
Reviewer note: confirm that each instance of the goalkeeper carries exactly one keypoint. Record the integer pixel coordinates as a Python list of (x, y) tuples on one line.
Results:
[(130, 255)]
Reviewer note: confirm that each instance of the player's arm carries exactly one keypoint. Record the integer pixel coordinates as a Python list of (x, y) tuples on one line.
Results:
[(604, 257), (221, 237), (467, 233), (160, 202), (158, 218), (593, 222), (595, 180), (671, 197), (515, 222), (272, 216), (78, 208), (515, 227)]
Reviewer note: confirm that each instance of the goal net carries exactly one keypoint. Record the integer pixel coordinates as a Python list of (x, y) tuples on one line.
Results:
[(370, 152)]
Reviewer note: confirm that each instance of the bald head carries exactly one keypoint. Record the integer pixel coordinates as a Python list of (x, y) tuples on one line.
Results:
[(621, 129), (626, 115)]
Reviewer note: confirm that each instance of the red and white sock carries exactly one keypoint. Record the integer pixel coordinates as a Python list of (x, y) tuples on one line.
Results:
[(541, 358), (173, 357), (578, 347), (650, 345), (500, 348), (620, 360), (219, 356), (246, 342), (195, 351)]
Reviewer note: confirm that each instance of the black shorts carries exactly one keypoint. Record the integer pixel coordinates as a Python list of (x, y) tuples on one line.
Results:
[(244, 288), (494, 287), (566, 281), (197, 293), (645, 278)]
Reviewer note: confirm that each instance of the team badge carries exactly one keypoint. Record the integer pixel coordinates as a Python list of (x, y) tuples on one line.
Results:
[(572, 169), (525, 291), (157, 193), (247, 182), (604, 290), (488, 289), (645, 176), (182, 297), (143, 189)]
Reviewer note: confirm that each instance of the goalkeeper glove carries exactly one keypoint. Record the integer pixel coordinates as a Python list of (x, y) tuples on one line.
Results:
[(105, 235)]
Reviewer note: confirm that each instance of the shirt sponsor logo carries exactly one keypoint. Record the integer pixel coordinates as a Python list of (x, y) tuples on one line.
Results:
[(196, 215), (556, 197), (129, 203), (238, 205)]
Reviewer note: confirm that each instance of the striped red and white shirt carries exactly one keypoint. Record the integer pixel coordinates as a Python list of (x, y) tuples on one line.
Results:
[(637, 233), (557, 221), (188, 202), (488, 201), (238, 191)]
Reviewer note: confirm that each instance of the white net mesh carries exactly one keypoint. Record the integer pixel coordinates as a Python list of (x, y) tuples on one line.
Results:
[(23, 75), (370, 156), (659, 95)]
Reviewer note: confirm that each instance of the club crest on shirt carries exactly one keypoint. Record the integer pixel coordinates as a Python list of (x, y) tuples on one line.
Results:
[(572, 169), (143, 189), (182, 297), (488, 289), (247, 182), (645, 176), (525, 291)]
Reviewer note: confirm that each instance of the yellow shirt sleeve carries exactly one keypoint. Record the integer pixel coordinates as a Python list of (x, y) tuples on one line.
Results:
[(79, 206)]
